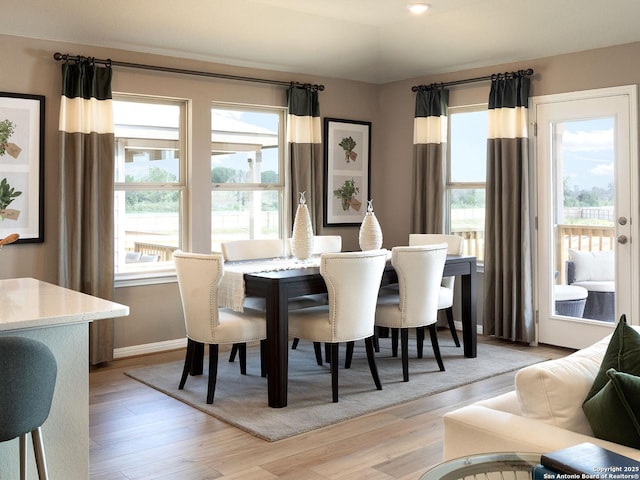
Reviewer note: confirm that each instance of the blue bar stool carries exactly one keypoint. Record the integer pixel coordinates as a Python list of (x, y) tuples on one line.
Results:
[(27, 380)]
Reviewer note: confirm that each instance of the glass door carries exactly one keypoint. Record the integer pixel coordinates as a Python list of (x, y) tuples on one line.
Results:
[(587, 199)]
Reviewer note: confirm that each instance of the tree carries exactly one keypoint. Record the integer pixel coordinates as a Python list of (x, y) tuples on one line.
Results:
[(269, 177), (223, 174), (152, 200)]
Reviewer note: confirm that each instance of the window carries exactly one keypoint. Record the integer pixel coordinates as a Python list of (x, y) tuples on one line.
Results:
[(247, 173), (466, 176), (150, 182)]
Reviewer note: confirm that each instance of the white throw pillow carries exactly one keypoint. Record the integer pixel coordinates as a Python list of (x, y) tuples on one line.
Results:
[(593, 265), (553, 391)]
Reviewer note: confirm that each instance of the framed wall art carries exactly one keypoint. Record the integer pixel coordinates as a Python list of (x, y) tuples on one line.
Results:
[(347, 154), (21, 166)]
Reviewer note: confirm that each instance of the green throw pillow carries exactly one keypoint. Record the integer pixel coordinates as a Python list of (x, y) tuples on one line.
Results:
[(623, 355), (612, 411)]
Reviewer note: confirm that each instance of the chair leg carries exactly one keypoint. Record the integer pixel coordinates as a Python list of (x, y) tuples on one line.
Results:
[(452, 326), (368, 343), (383, 332), (317, 348), (213, 372), (394, 342), (436, 348), (242, 351), (294, 345), (233, 352), (188, 359), (38, 449), (376, 339), (263, 358), (349, 354), (419, 341), (23, 456), (327, 353), (333, 361), (404, 348)]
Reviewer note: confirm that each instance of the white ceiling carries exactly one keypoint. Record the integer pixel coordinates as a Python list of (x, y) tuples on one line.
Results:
[(375, 41)]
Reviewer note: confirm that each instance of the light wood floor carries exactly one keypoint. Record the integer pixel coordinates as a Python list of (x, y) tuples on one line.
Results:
[(139, 433)]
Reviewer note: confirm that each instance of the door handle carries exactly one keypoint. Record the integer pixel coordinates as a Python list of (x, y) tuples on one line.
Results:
[(622, 239)]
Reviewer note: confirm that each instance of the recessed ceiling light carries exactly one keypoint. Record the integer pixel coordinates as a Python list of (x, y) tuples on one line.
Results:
[(418, 8)]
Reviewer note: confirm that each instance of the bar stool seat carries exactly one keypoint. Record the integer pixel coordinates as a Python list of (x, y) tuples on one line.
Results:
[(28, 373), (570, 300)]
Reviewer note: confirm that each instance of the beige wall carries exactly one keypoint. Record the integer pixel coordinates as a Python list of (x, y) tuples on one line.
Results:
[(28, 67)]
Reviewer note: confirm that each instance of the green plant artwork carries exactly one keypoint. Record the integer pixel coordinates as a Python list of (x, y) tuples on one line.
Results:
[(7, 194), (6, 130), (346, 193), (348, 144)]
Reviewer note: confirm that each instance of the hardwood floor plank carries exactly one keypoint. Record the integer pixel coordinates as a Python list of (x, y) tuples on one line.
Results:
[(138, 433)]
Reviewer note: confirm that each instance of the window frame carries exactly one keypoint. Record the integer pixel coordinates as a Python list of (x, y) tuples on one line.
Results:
[(283, 177), (167, 273), (451, 185)]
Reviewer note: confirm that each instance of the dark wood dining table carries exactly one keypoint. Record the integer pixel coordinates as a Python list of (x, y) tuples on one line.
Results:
[(277, 287)]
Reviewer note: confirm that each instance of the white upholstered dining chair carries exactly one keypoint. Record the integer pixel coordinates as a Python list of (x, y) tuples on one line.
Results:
[(353, 280), (251, 249), (321, 244), (419, 270), (455, 246), (199, 276), (264, 248)]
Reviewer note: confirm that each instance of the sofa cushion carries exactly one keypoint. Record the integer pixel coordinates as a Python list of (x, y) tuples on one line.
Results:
[(622, 354), (596, 266), (553, 391), (612, 410)]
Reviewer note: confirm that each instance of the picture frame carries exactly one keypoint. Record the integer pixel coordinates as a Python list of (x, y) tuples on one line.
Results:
[(347, 154), (22, 166)]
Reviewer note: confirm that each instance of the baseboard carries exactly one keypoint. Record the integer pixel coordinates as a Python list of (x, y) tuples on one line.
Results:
[(146, 348)]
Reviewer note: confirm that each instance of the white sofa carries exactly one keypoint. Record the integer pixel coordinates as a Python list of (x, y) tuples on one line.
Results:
[(543, 413)]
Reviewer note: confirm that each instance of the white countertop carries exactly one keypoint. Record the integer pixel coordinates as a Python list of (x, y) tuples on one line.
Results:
[(31, 303)]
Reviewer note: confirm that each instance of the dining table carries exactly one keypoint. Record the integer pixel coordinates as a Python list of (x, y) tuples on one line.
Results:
[(279, 280)]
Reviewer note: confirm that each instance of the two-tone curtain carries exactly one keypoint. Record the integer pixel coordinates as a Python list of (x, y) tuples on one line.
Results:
[(305, 149), (429, 155), (508, 306), (86, 191)]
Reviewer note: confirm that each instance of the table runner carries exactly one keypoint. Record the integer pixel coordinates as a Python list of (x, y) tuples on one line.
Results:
[(231, 292)]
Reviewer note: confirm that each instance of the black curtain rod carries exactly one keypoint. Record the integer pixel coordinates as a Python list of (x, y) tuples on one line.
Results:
[(526, 72), (78, 58)]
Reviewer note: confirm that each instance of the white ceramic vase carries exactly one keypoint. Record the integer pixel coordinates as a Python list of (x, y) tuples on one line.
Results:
[(370, 237), (302, 235)]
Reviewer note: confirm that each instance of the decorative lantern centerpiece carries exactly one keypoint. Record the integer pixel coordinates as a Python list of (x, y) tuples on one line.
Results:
[(302, 235), (370, 237)]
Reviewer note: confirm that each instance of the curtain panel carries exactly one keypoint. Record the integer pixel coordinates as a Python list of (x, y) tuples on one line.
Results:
[(508, 308), (429, 154), (305, 150), (86, 191)]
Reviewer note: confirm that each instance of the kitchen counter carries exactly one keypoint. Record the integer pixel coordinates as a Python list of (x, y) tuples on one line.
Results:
[(58, 317)]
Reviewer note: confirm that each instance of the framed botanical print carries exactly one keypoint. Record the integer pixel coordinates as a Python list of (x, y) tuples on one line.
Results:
[(21, 166), (347, 154)]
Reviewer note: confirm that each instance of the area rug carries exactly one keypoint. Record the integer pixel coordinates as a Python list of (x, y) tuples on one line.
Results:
[(241, 400)]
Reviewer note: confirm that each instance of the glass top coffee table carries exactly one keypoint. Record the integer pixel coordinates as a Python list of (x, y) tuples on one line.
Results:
[(507, 466)]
